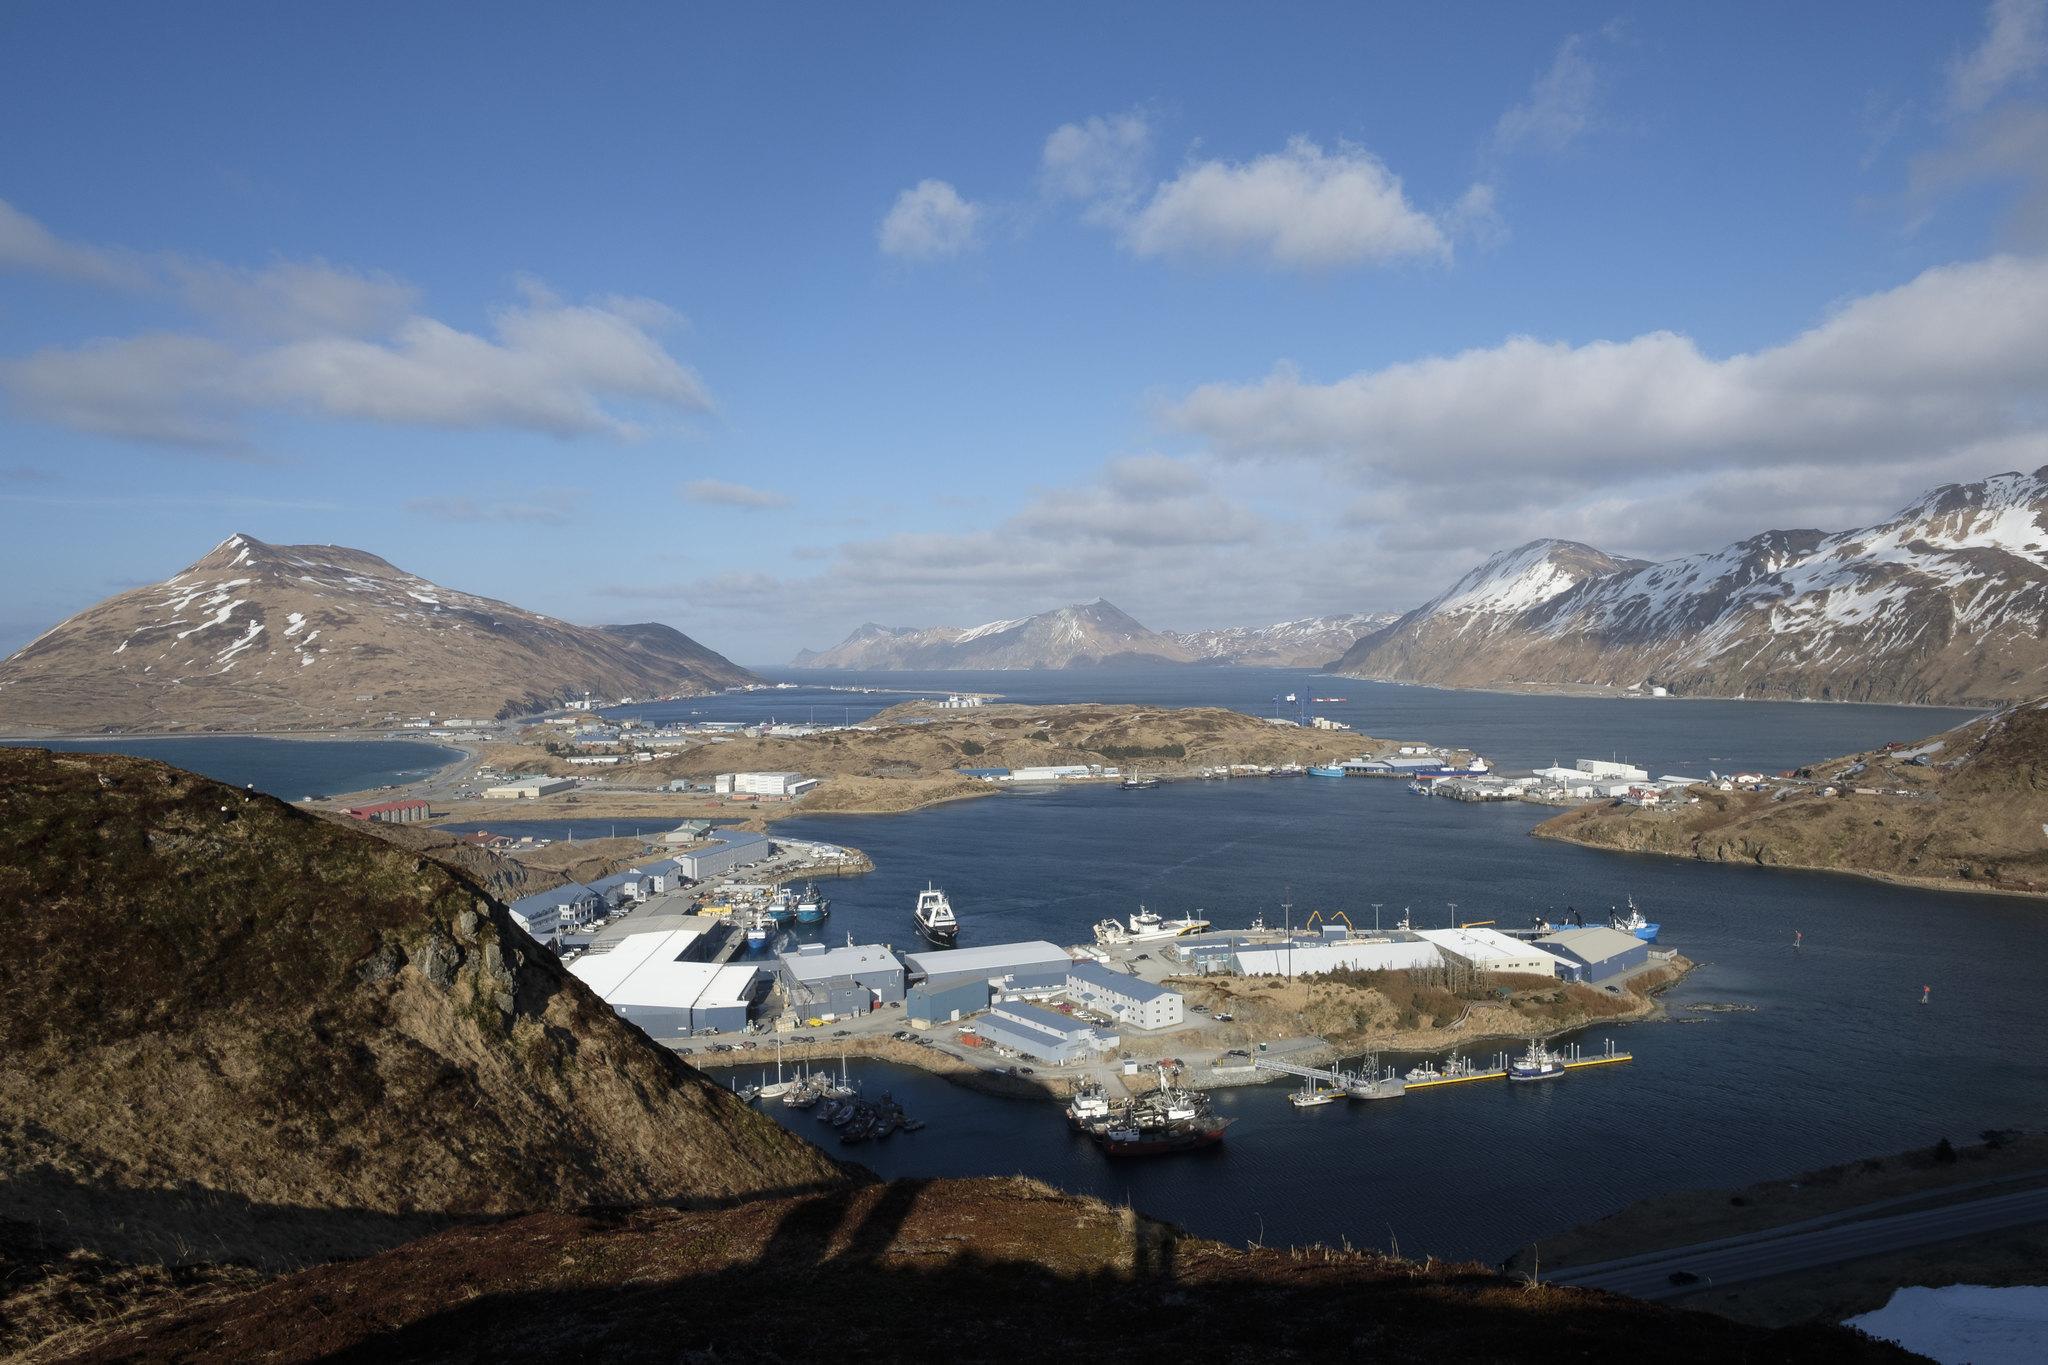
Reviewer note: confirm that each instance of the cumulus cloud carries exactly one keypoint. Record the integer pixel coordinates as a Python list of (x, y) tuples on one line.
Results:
[(1302, 207), (27, 245), (2014, 48), (718, 493), (312, 339), (1957, 355), (1559, 108), (1099, 161), (929, 221)]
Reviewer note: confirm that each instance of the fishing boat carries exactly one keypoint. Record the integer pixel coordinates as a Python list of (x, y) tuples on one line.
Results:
[(1322, 699), (935, 917), (1147, 927), (1323, 770), (1120, 1139), (1088, 1106), (1138, 784), (760, 930), (811, 908), (781, 908), (1426, 1072), (1631, 921), (1539, 1063), (1312, 1096)]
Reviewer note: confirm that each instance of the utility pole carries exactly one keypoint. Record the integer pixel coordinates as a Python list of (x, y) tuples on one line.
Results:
[(1454, 913), (1376, 917)]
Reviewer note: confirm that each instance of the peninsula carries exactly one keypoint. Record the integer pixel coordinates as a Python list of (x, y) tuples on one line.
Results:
[(1960, 811)]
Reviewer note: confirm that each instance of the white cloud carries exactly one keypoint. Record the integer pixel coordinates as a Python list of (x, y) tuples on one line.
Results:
[(27, 245), (295, 298), (929, 221), (1302, 208), (2015, 46), (718, 493), (1958, 355), (546, 366), (1099, 161), (1559, 108)]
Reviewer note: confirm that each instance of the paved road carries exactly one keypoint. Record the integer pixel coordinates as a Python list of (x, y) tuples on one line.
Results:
[(1806, 1246)]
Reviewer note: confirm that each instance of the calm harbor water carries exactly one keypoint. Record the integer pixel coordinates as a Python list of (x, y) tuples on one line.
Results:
[(285, 768), (1839, 1059)]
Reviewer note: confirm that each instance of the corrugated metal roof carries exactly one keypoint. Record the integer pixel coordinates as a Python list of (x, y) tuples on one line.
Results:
[(1117, 983), (841, 961), (988, 959), (1595, 943)]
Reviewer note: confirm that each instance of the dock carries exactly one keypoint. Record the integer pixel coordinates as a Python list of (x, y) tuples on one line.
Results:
[(1370, 1083)]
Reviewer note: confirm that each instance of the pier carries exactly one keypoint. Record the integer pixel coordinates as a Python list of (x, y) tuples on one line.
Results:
[(1369, 1083)]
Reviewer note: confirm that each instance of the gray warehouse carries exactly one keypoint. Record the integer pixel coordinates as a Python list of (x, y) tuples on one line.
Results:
[(732, 849), (1031, 965), (1043, 1034), (854, 979), (1598, 953), (944, 999)]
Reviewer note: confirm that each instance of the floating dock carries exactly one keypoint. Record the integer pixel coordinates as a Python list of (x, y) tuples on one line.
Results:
[(1370, 1083)]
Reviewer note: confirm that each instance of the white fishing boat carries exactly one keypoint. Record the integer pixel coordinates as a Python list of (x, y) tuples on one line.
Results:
[(1147, 926), (935, 917), (1539, 1063)]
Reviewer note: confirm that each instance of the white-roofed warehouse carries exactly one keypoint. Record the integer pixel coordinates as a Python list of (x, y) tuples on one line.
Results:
[(1489, 950), (653, 980), (1358, 955)]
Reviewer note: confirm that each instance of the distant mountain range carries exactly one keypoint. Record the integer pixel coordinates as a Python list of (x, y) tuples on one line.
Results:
[(1943, 603), (1095, 634), (256, 636)]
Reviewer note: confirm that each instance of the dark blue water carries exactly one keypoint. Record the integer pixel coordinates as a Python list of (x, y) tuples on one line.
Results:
[(1513, 730), (285, 768), (1839, 1061)]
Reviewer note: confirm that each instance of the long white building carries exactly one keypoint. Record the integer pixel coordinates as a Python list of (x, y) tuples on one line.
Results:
[(1489, 950), (1313, 959)]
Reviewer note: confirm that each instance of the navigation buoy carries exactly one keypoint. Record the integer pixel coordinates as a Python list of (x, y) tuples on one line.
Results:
[(1925, 991)]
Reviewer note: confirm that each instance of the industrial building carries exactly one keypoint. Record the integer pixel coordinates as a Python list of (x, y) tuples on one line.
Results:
[(1489, 950), (856, 978), (942, 1000), (735, 848), (544, 914), (529, 788), (1130, 1001), (661, 981), (1358, 955), (1042, 1034), (391, 812), (688, 832), (762, 784), (1598, 953), (1028, 966), (1053, 773)]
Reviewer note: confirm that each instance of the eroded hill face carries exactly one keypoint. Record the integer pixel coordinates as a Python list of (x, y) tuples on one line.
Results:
[(237, 1030), (262, 636)]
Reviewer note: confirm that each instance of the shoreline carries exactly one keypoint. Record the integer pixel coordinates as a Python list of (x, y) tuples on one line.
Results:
[(1592, 692), (1955, 884)]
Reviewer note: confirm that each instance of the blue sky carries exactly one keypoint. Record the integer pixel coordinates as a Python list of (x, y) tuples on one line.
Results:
[(768, 323)]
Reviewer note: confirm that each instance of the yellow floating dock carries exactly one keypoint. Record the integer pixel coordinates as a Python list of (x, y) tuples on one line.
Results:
[(1489, 1075), (1607, 1059)]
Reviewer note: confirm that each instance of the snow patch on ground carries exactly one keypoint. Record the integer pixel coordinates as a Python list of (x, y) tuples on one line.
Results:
[(1961, 1323)]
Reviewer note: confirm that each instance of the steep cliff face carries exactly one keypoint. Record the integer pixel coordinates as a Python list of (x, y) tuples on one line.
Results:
[(1946, 602), (255, 635), (242, 1029)]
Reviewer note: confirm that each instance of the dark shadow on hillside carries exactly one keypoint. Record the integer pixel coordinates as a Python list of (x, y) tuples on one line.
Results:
[(857, 1275)]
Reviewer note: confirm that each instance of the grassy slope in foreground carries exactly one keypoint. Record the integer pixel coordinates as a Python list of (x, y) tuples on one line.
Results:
[(235, 1030), (953, 1269), (1972, 821)]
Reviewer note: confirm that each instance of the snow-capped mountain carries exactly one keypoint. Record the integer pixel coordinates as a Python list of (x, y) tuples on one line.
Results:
[(1943, 603), (256, 636), (1080, 636), (1310, 642)]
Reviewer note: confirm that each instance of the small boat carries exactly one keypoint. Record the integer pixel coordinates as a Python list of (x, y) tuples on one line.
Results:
[(1129, 1140), (760, 930), (1090, 1104), (1320, 699), (913, 1125), (1633, 922), (811, 908), (1139, 784), (1539, 1063), (1313, 1096), (935, 917), (1426, 1072), (1325, 771)]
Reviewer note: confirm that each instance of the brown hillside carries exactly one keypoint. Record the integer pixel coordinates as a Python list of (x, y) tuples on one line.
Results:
[(235, 1030), (965, 1270), (1969, 817)]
